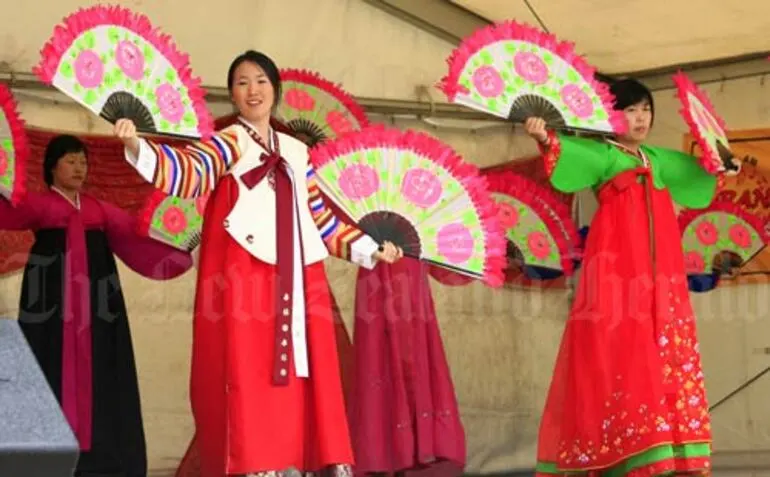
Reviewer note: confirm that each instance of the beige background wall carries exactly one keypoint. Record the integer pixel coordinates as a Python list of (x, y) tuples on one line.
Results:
[(500, 344)]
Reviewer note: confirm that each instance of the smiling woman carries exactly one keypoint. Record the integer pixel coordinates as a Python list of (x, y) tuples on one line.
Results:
[(265, 388)]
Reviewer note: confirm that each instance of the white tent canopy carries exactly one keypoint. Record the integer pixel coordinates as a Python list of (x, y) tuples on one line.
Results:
[(632, 35)]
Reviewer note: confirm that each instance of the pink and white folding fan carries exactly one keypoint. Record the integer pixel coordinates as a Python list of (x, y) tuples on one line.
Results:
[(14, 150), (515, 71), (706, 126), (118, 65), (536, 223), (173, 220), (411, 189), (720, 238), (316, 109)]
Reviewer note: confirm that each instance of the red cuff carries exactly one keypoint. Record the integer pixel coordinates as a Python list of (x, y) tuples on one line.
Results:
[(550, 152)]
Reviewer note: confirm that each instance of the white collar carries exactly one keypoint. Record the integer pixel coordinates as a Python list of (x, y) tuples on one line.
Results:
[(640, 155), (268, 141), (75, 204)]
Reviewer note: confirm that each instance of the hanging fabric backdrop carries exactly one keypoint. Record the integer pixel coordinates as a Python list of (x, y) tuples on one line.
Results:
[(750, 190)]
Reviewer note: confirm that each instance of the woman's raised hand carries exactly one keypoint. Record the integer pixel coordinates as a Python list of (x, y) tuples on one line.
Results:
[(125, 130), (535, 128)]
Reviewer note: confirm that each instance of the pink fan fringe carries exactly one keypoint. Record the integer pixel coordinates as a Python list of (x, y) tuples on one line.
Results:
[(686, 217), (512, 30), (20, 145), (441, 154), (84, 19), (683, 86), (543, 201), (314, 79)]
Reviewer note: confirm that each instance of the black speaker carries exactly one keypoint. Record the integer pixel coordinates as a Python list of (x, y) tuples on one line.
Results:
[(35, 438)]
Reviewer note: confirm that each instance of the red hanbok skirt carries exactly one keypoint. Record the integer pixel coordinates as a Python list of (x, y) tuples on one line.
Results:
[(243, 422), (404, 413), (627, 396)]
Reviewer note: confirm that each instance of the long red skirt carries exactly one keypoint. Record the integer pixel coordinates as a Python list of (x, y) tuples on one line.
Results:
[(627, 396), (243, 422), (404, 414)]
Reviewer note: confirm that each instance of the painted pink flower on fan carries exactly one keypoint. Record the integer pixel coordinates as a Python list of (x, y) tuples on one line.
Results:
[(200, 204), (421, 187), (359, 181), (130, 59), (455, 243), (538, 245), (530, 67), (338, 123), (488, 82), (89, 69), (3, 162), (577, 101), (740, 235), (169, 101), (299, 99), (707, 233), (508, 215), (174, 220), (694, 263)]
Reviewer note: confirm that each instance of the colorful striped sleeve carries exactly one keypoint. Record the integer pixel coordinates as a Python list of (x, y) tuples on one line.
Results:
[(193, 170), (343, 240)]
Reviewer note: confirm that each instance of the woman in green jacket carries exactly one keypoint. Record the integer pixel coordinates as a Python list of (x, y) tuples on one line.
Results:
[(627, 396)]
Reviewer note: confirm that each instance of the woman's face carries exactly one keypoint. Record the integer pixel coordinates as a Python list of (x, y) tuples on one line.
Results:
[(70, 171), (252, 93), (639, 117)]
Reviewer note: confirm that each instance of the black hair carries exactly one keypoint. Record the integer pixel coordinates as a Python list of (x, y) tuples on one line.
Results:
[(629, 92), (57, 148), (264, 62)]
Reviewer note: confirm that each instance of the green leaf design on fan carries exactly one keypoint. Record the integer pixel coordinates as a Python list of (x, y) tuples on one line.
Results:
[(734, 235), (10, 172), (89, 39), (129, 64), (527, 223), (66, 69), (90, 97), (545, 76), (172, 210), (113, 35), (390, 170)]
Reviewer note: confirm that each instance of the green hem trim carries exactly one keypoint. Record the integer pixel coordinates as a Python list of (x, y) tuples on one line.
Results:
[(649, 457)]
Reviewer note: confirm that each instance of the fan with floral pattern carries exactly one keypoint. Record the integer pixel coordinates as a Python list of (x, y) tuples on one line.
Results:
[(514, 71), (410, 189), (14, 151), (173, 220), (720, 239), (543, 238), (118, 65), (316, 109), (705, 125)]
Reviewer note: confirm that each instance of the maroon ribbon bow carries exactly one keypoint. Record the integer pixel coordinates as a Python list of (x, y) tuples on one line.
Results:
[(276, 169)]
